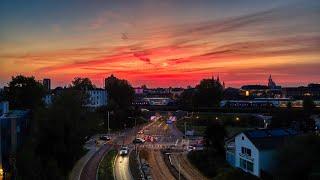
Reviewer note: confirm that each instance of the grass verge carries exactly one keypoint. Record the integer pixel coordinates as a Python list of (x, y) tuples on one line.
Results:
[(105, 171), (134, 165)]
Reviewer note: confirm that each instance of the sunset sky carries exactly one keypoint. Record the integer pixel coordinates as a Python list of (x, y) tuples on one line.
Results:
[(161, 43)]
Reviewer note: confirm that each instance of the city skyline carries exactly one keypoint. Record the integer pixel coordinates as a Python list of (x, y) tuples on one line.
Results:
[(162, 44)]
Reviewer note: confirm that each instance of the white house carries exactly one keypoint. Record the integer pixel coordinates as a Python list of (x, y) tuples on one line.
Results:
[(97, 98), (254, 151)]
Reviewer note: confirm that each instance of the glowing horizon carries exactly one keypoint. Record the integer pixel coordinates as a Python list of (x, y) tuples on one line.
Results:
[(162, 43)]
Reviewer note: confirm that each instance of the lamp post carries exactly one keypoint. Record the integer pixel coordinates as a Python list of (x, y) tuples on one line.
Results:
[(108, 113)]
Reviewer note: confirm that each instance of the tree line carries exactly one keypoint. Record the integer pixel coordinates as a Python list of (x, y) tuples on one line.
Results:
[(57, 133)]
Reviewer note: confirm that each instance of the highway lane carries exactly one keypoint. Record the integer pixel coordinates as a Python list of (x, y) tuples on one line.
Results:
[(122, 168)]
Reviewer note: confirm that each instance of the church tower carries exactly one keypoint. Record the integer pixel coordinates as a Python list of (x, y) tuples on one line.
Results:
[(271, 83)]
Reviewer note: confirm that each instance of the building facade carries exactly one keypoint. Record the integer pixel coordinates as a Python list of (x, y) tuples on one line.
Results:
[(13, 126), (47, 84), (254, 151), (97, 98), (299, 92)]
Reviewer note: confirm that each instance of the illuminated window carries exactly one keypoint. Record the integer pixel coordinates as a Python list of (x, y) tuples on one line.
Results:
[(247, 93)]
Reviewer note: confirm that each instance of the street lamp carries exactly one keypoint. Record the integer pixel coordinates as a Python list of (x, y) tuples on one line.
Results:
[(217, 118), (108, 122), (237, 118), (1, 173)]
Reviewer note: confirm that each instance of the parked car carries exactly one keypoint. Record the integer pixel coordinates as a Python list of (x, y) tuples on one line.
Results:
[(105, 138), (138, 141), (140, 132), (124, 151)]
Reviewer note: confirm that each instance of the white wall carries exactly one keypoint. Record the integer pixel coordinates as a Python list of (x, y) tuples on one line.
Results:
[(97, 98), (245, 142)]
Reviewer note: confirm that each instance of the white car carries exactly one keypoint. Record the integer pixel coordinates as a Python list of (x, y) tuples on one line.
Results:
[(138, 141), (124, 151), (191, 148)]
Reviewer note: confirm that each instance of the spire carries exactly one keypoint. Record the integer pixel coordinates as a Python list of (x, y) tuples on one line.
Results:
[(271, 83), (218, 79)]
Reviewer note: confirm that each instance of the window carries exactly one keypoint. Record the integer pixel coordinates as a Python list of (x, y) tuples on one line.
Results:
[(246, 165), (250, 166), (246, 151)]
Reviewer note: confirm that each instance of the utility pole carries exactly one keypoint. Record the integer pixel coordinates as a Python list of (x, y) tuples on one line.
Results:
[(108, 122), (185, 129), (179, 169)]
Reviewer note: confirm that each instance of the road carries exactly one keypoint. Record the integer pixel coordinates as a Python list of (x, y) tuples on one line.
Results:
[(90, 169), (121, 166), (122, 169), (159, 169), (167, 135), (180, 160)]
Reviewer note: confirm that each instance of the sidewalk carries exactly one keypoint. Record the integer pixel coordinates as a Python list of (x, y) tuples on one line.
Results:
[(77, 169)]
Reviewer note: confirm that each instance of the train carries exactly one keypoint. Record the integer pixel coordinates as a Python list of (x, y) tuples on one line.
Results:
[(263, 103)]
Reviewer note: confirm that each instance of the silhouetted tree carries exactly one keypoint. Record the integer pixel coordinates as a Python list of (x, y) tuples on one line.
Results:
[(214, 137), (208, 93), (308, 104), (82, 84), (298, 158), (187, 98), (57, 139), (25, 92), (120, 92)]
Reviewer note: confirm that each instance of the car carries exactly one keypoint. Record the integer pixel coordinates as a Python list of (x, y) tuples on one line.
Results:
[(124, 151), (105, 138), (138, 141), (191, 148), (140, 132)]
